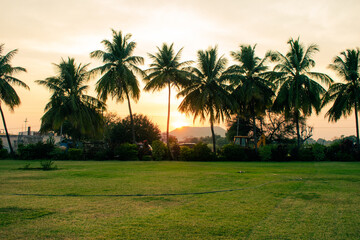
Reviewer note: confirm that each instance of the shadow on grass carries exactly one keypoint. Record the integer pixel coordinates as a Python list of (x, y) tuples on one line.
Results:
[(9, 215)]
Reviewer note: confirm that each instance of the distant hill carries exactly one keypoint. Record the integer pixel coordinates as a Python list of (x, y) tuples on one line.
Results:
[(184, 132)]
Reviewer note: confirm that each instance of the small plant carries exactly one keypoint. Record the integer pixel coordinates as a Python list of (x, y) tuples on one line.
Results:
[(48, 165), (159, 150), (27, 166)]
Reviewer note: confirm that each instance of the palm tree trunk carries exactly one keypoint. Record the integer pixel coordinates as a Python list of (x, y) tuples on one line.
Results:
[(297, 129), (168, 124), (254, 129), (131, 119), (357, 125), (7, 133), (213, 135)]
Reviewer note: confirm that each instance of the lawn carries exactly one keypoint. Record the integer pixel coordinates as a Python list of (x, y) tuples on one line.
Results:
[(180, 200)]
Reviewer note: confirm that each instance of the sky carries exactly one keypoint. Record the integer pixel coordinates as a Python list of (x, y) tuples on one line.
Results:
[(44, 31)]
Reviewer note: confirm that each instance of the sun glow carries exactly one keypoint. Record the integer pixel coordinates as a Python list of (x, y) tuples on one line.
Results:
[(179, 124)]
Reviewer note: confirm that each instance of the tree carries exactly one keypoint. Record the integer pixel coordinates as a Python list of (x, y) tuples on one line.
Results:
[(207, 94), (166, 71), (252, 90), (346, 95), (68, 103), (299, 92), (118, 131), (119, 71), (8, 95)]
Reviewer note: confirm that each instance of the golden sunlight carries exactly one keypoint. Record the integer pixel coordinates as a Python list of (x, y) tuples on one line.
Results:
[(179, 124)]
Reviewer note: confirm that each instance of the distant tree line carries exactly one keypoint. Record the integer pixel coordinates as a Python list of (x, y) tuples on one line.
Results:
[(257, 99)]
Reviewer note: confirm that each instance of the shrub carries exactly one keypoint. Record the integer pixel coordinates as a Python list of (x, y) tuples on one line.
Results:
[(280, 153), (3, 153), (59, 154), (126, 151), (48, 165), (201, 152), (232, 152), (186, 154), (159, 150), (75, 154), (38, 150), (318, 151), (265, 152)]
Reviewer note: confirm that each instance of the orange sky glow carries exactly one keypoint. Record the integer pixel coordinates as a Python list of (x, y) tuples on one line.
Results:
[(46, 31)]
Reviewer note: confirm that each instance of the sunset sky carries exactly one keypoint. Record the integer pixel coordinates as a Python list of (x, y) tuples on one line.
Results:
[(44, 31)]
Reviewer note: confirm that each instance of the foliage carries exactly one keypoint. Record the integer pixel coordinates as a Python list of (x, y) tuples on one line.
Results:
[(69, 104), (48, 165), (38, 150), (265, 152), (119, 71), (298, 93), (206, 96), (280, 153), (345, 95), (186, 154), (166, 70), (159, 150), (126, 152), (253, 92), (200, 152), (120, 131), (8, 95), (75, 154), (232, 152), (59, 154)]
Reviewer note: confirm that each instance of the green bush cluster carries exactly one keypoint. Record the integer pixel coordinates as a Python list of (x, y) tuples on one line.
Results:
[(200, 152)]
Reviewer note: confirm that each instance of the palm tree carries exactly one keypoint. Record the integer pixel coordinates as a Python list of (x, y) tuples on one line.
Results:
[(69, 104), (207, 95), (8, 94), (299, 92), (166, 71), (251, 89), (119, 71), (346, 95)]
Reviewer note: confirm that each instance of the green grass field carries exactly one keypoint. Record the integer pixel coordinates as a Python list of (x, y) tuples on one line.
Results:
[(84, 200)]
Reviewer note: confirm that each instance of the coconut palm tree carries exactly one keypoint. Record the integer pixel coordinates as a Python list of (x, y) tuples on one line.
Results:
[(299, 93), (207, 94), (8, 95), (346, 94), (252, 90), (119, 71), (69, 103), (166, 70)]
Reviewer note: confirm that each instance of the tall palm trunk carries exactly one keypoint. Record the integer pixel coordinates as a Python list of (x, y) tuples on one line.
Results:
[(168, 124), (213, 136), (297, 129), (254, 130), (6, 131), (357, 125), (131, 119)]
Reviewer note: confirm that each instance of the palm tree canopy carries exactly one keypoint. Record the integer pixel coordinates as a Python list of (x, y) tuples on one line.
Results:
[(69, 102), (248, 78), (207, 93), (119, 69), (298, 89), (8, 94), (166, 68), (347, 93)]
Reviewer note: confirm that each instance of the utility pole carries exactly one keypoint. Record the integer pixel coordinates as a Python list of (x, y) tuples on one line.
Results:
[(25, 123)]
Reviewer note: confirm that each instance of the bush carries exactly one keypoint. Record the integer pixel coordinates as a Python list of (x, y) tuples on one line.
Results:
[(38, 150), (126, 151), (265, 152), (47, 165), (75, 154), (186, 154), (3, 153), (59, 154), (280, 153), (318, 151), (232, 152), (159, 150), (201, 152)]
